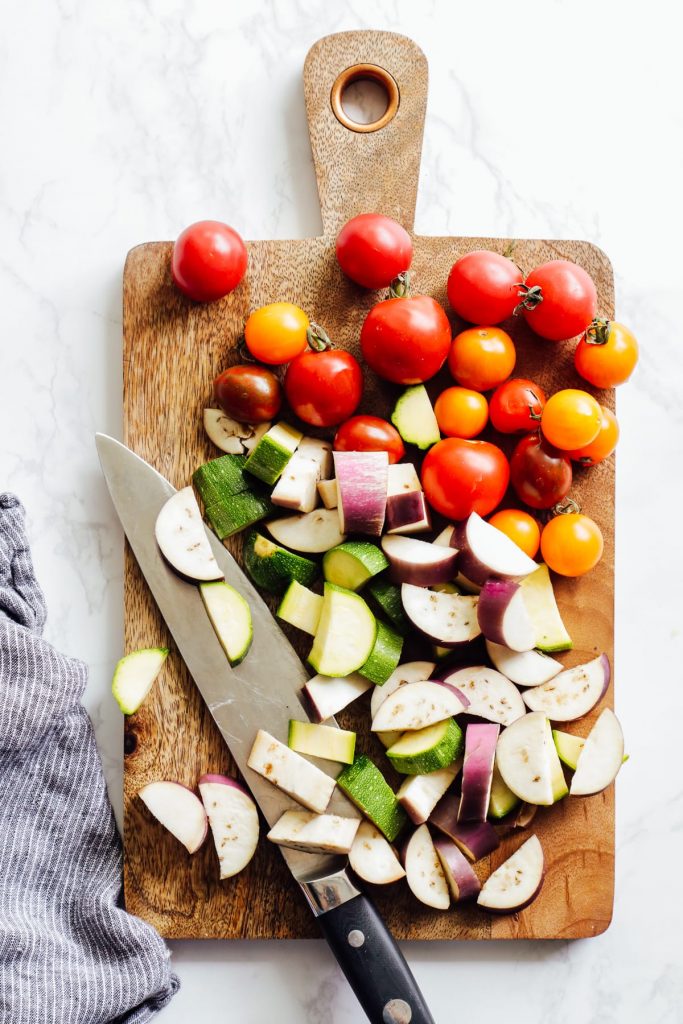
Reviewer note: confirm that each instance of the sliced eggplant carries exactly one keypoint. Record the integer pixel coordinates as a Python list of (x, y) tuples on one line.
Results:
[(485, 551), (420, 794), (417, 561), (297, 488), (312, 532), (516, 882), (525, 668), (476, 839), (181, 536), (503, 615), (372, 857), (424, 873), (290, 772), (362, 491), (524, 760), (490, 694), (573, 693), (477, 770), (446, 619), (314, 833), (415, 706), (328, 695), (461, 879), (601, 757)]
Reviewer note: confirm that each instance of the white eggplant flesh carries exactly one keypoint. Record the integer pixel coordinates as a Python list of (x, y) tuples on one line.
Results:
[(448, 620), (410, 672), (314, 833), (516, 882), (485, 551), (328, 695), (179, 810), (290, 772), (503, 615), (572, 693), (230, 435), (525, 759), (415, 706), (525, 668), (601, 757), (420, 794), (319, 451), (373, 858), (309, 533), (417, 561), (327, 489), (490, 694), (182, 538), (234, 822), (424, 873)]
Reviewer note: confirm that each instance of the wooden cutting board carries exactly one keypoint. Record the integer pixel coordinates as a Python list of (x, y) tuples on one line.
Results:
[(172, 351)]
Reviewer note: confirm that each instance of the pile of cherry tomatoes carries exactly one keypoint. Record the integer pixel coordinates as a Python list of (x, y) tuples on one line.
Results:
[(406, 339)]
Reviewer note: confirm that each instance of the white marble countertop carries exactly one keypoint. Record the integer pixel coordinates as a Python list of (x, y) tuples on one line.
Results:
[(123, 122)]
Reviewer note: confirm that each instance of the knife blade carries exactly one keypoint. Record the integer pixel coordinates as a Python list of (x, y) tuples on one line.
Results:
[(263, 692)]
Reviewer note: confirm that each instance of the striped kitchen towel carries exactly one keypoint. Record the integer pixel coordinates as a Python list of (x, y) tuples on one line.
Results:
[(69, 953)]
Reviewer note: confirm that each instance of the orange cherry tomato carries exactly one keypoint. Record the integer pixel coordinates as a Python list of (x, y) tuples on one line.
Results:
[(607, 354), (276, 333), (481, 358), (601, 446), (461, 412), (520, 527), (571, 419), (571, 544)]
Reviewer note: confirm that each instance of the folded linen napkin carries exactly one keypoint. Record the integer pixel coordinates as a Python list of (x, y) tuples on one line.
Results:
[(69, 953)]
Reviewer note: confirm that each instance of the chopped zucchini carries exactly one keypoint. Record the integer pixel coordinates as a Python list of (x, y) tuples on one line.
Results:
[(426, 750), (539, 598), (414, 418), (230, 617), (300, 607), (273, 567), (384, 656), (270, 456), (346, 633), (388, 598), (322, 741), (349, 565), (231, 501), (365, 785)]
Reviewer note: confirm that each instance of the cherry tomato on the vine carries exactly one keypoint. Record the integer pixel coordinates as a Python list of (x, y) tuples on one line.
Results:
[(480, 358), (369, 434), (571, 544), (209, 260), (560, 300), (460, 477), (607, 354), (541, 475), (276, 333), (405, 339), (601, 446), (461, 412), (484, 287), (571, 419), (373, 249), (249, 394), (516, 406), (520, 527), (324, 387)]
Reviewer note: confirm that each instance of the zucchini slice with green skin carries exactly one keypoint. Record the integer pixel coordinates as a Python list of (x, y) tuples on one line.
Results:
[(539, 598), (300, 607), (568, 747), (230, 617), (322, 741), (346, 633), (384, 656), (501, 799), (427, 750), (351, 564), (270, 456), (134, 677), (388, 599), (365, 785), (231, 501), (273, 567), (414, 418)]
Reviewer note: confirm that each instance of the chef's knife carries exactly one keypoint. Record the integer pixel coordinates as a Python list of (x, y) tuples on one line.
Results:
[(262, 693)]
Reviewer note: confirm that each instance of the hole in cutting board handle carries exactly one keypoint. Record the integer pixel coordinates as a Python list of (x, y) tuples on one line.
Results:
[(368, 104)]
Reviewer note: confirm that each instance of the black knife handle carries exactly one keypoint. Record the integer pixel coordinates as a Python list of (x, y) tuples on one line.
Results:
[(373, 964)]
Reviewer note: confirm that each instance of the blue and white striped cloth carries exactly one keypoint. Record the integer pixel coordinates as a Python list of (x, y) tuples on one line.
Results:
[(69, 953)]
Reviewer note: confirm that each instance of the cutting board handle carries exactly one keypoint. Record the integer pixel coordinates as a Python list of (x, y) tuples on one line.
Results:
[(366, 169)]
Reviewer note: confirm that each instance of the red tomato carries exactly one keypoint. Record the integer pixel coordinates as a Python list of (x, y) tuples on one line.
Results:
[(369, 434), (209, 260), (541, 475), (516, 406), (484, 287), (460, 477), (406, 339), (372, 250), (560, 300), (250, 394), (324, 387)]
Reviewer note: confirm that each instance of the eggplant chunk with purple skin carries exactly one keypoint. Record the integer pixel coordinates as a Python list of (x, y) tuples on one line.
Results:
[(516, 882), (361, 491), (485, 551), (503, 615), (476, 839), (477, 770), (446, 619), (572, 693), (417, 561), (424, 873), (460, 878)]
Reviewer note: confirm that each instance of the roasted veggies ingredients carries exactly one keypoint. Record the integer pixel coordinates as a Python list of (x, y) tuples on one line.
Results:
[(568, 747), (540, 474), (319, 450), (427, 750), (362, 491), (232, 501), (346, 633), (572, 693), (311, 532), (407, 510), (424, 873), (460, 477), (249, 394), (353, 563), (410, 672), (539, 598), (418, 561), (327, 489), (477, 770), (461, 879), (229, 435), (272, 567), (601, 757), (314, 833), (230, 617), (416, 706), (209, 260), (571, 419), (372, 858), (571, 544), (490, 694), (276, 333), (325, 385), (485, 551), (480, 358), (559, 300), (387, 597), (516, 882), (297, 488), (179, 810), (234, 822), (522, 529), (369, 434), (501, 800), (328, 695), (384, 656), (322, 741), (607, 354), (446, 619), (526, 759), (405, 338), (290, 772), (602, 446), (503, 615), (365, 785), (270, 456), (181, 536), (476, 839), (134, 677), (414, 418), (420, 794), (373, 249), (461, 412), (300, 607), (484, 287), (525, 668), (516, 405)]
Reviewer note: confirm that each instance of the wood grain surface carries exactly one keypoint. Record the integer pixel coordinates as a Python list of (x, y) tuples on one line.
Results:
[(172, 351)]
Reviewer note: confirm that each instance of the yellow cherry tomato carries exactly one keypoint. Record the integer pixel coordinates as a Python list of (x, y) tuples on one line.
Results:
[(481, 358), (276, 333), (571, 544), (607, 354), (601, 446), (461, 412), (520, 527), (571, 419)]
